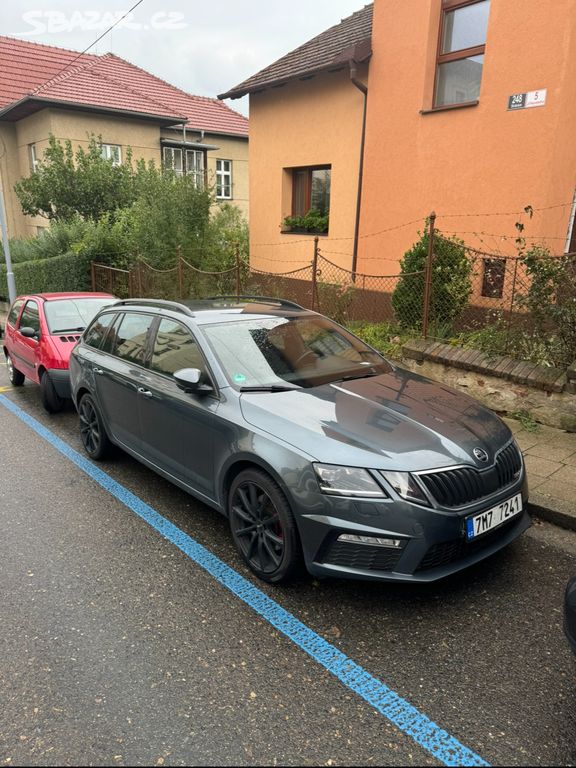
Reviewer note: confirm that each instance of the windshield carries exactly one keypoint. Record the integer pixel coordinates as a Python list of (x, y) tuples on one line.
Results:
[(67, 315), (280, 352)]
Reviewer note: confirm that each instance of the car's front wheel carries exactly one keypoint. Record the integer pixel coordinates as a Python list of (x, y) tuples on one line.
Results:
[(51, 400), (16, 378), (263, 527), (92, 433)]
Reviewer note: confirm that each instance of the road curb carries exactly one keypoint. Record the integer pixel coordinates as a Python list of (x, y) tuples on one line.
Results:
[(557, 512)]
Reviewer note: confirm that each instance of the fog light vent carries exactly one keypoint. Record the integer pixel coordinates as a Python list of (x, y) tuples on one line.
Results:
[(371, 541)]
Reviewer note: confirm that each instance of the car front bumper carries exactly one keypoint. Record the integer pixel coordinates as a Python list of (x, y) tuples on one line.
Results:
[(61, 380), (433, 541)]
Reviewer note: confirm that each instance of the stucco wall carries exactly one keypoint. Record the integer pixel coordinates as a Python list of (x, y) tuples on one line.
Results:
[(310, 123), (481, 159)]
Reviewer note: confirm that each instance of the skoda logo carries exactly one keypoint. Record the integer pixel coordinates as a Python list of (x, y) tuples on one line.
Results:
[(480, 454)]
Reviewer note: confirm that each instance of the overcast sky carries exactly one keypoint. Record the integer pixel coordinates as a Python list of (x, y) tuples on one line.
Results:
[(205, 48)]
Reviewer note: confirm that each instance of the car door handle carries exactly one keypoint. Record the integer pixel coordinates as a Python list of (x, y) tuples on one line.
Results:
[(99, 371), (145, 392)]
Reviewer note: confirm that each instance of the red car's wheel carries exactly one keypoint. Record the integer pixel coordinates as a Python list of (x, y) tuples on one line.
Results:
[(16, 378)]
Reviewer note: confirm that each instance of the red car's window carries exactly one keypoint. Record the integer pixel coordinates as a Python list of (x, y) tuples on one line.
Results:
[(30, 317), (13, 314)]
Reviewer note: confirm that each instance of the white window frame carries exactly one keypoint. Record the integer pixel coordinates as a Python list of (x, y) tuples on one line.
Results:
[(172, 159), (33, 158), (223, 179), (112, 152), (195, 166)]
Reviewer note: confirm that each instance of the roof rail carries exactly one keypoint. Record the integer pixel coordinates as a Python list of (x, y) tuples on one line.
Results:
[(257, 300), (160, 303)]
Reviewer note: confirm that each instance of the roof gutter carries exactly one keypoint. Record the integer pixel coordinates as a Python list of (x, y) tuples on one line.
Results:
[(361, 87)]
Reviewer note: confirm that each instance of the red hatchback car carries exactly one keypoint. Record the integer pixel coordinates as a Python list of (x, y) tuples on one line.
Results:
[(41, 331)]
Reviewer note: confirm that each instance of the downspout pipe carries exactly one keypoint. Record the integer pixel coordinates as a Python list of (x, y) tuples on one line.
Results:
[(361, 87)]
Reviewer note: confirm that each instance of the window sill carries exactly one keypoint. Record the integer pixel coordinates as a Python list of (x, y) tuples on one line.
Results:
[(303, 232), (449, 107)]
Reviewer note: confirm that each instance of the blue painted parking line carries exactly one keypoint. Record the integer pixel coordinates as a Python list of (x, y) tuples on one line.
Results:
[(393, 707)]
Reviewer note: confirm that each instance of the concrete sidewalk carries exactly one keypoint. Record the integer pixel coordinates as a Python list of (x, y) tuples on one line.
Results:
[(550, 456)]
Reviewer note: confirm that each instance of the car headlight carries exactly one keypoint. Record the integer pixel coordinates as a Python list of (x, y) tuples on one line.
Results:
[(347, 481), (406, 486)]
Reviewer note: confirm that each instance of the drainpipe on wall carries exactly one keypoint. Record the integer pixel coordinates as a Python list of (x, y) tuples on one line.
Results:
[(364, 89)]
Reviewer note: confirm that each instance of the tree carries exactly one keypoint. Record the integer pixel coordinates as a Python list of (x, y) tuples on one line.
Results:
[(66, 185), (451, 284)]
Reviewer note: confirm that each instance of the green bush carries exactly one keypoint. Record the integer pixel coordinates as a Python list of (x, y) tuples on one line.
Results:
[(551, 301), (451, 284), (313, 221), (70, 272)]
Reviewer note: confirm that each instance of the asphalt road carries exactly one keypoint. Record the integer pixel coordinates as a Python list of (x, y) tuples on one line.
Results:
[(118, 648)]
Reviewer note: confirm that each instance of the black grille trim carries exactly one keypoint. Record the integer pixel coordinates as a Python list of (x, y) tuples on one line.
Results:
[(464, 485), (362, 557)]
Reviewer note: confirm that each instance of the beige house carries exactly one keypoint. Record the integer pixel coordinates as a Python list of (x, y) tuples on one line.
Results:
[(51, 91)]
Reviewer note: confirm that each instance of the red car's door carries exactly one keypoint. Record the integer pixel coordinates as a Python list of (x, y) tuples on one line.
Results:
[(23, 349)]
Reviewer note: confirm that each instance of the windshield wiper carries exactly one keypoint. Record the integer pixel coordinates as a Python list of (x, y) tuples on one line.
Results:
[(69, 330), (270, 388)]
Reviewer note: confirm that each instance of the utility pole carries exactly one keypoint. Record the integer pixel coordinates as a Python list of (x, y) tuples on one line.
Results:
[(6, 246)]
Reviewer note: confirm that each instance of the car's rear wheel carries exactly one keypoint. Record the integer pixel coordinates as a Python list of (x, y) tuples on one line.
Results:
[(94, 438), (263, 527), (16, 378), (51, 400)]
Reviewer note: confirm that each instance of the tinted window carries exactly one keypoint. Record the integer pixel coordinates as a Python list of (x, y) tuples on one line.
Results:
[(129, 339), (65, 315), (97, 331), (14, 311), (175, 348), (30, 317)]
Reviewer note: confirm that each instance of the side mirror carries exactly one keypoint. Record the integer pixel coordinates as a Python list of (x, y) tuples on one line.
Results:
[(190, 380), (29, 333)]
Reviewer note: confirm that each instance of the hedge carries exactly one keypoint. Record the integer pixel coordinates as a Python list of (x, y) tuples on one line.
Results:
[(70, 272)]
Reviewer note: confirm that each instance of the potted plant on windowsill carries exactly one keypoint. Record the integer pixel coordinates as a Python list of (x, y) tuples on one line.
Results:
[(312, 222)]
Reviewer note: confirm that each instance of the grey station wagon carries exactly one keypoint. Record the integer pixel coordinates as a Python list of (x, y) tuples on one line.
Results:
[(316, 448)]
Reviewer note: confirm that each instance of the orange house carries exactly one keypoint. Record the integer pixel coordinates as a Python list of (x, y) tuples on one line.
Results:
[(464, 107)]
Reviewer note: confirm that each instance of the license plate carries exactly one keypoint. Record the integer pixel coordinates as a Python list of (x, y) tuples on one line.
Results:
[(492, 518)]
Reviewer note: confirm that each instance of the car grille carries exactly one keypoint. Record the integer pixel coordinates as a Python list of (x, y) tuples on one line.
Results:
[(362, 556), (449, 551), (457, 487), (72, 339)]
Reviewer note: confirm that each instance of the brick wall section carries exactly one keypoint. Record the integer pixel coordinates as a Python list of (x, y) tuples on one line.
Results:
[(529, 374), (501, 383)]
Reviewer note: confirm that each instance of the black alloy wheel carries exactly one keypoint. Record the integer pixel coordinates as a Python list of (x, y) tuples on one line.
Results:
[(263, 527), (16, 378), (94, 438)]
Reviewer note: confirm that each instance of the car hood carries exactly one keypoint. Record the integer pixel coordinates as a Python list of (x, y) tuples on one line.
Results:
[(397, 420)]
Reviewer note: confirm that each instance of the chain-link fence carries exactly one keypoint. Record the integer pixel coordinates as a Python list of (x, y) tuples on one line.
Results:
[(523, 306)]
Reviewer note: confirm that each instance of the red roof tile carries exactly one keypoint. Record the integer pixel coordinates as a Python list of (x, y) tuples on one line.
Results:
[(107, 82), (333, 48)]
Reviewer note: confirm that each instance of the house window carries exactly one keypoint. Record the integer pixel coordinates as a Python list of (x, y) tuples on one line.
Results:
[(195, 166), (311, 190), (33, 158), (187, 162), (493, 279), (224, 179), (461, 51), (112, 152)]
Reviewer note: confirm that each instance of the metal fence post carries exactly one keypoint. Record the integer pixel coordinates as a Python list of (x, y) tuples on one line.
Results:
[(512, 301), (314, 271), (180, 271), (428, 275), (238, 273), (93, 275)]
